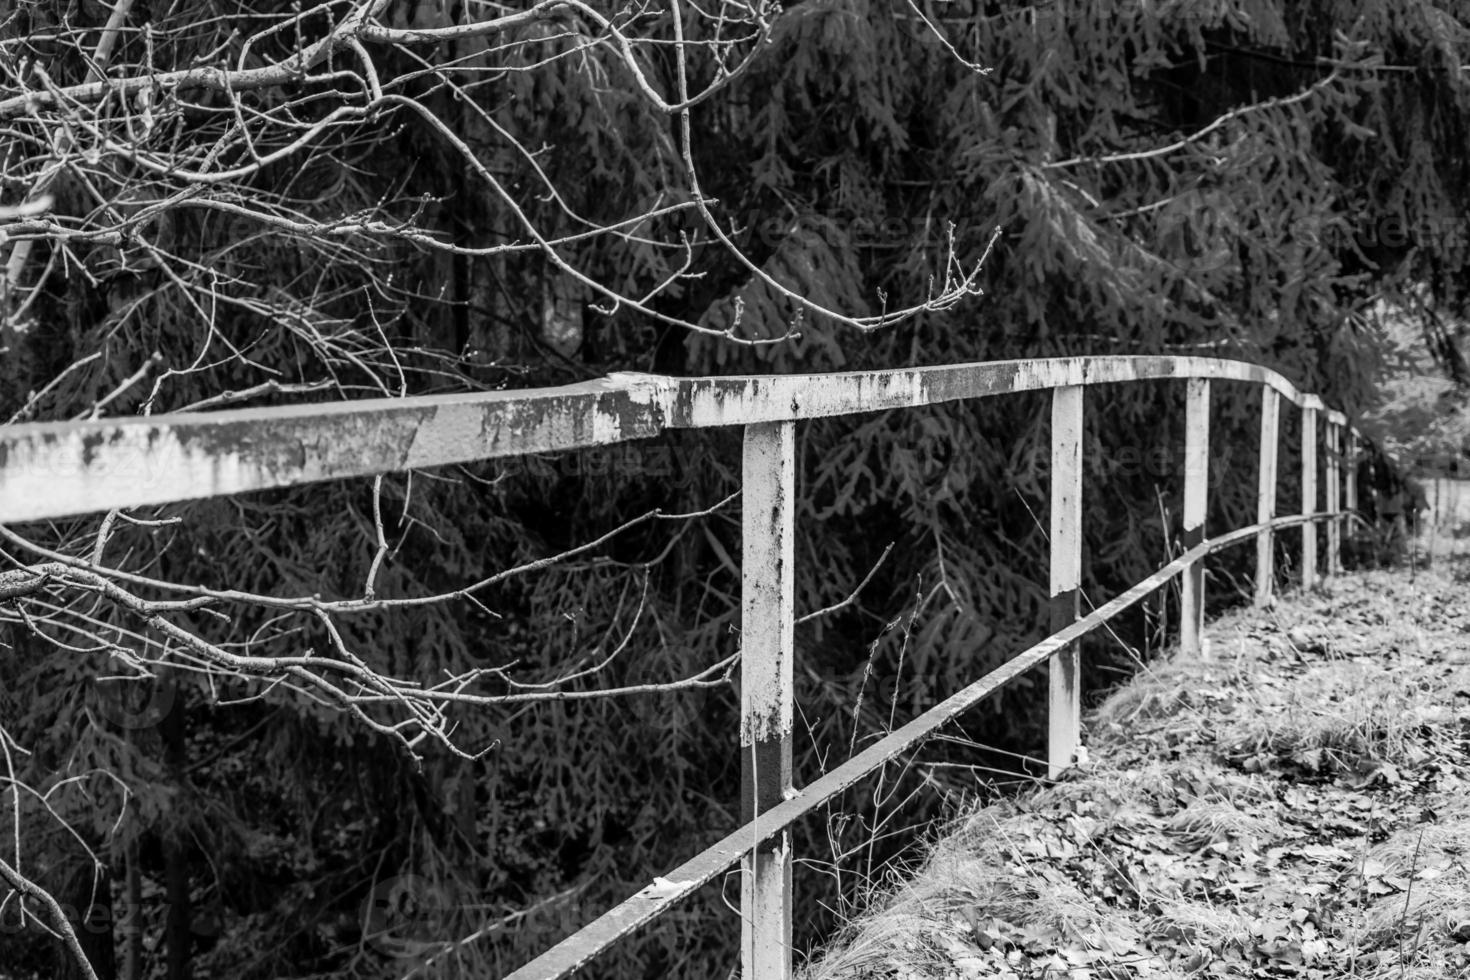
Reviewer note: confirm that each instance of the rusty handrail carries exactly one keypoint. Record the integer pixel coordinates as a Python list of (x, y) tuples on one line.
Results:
[(52, 470), (63, 469), (576, 950)]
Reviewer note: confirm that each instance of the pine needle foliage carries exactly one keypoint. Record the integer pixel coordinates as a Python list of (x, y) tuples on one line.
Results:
[(1249, 179)]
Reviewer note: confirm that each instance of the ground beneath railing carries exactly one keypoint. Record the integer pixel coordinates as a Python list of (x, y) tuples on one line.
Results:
[(1297, 806)]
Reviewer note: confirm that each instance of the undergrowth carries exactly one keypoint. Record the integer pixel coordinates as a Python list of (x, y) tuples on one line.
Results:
[(1298, 805)]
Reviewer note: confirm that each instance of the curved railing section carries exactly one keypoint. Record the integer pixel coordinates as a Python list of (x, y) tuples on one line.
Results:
[(54, 470)]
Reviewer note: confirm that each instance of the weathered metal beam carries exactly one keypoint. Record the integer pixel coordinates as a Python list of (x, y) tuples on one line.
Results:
[(1266, 494), (1196, 492), (61, 469), (577, 950), (1064, 718), (699, 402), (1352, 478), (766, 691), (1309, 496), (1334, 498)]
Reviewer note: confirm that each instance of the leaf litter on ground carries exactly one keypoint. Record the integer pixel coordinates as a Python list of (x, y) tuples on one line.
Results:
[(1296, 806)]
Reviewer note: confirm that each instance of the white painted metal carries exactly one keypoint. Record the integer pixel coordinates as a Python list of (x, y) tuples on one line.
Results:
[(1309, 496), (766, 693), (577, 950), (1266, 493), (1196, 493), (1334, 498), (1352, 480), (62, 469), (1064, 721), (52, 470)]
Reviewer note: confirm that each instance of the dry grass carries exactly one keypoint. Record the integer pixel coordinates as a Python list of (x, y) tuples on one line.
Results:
[(1299, 805), (1434, 861), (1206, 822), (1339, 715)]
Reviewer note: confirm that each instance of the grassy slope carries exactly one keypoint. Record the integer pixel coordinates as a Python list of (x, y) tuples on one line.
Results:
[(1297, 806)]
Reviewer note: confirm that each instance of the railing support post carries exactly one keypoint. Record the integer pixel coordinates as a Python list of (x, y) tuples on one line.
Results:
[(1309, 496), (1196, 495), (1064, 722), (1266, 494), (766, 691), (1334, 498), (1351, 489)]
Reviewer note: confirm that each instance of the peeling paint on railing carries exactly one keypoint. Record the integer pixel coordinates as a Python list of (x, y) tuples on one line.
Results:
[(62, 469), (52, 470), (577, 950)]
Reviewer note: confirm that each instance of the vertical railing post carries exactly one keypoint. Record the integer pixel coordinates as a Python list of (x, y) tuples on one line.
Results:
[(1352, 488), (766, 654), (1309, 496), (1334, 498), (1064, 723), (1196, 492), (1266, 493)]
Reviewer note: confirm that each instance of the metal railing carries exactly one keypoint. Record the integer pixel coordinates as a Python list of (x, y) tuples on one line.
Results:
[(57, 470)]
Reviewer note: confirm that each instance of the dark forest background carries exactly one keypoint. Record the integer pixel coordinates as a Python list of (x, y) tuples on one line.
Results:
[(1267, 181)]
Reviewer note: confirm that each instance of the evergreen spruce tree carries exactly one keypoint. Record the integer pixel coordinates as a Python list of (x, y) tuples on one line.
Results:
[(207, 205)]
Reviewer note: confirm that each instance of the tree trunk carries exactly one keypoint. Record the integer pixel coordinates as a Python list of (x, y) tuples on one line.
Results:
[(178, 931), (133, 916), (87, 900)]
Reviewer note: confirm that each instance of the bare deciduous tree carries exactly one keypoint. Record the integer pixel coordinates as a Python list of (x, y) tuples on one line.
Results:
[(159, 155)]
